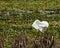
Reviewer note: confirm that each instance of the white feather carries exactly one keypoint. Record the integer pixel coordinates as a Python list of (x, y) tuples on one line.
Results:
[(40, 25)]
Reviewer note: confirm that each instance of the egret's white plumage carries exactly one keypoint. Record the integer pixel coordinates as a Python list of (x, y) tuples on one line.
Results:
[(40, 25)]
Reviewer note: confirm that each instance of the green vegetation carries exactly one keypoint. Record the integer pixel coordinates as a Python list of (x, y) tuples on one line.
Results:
[(14, 17)]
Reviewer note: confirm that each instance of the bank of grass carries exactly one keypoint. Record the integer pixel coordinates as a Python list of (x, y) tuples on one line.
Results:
[(11, 28)]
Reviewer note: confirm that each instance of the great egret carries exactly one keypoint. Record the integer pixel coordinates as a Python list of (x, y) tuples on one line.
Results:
[(40, 25)]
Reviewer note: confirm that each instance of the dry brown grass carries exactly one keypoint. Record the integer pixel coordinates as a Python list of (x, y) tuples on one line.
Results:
[(45, 42)]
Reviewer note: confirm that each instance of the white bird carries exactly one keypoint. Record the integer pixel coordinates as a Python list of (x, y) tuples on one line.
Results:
[(42, 26)]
